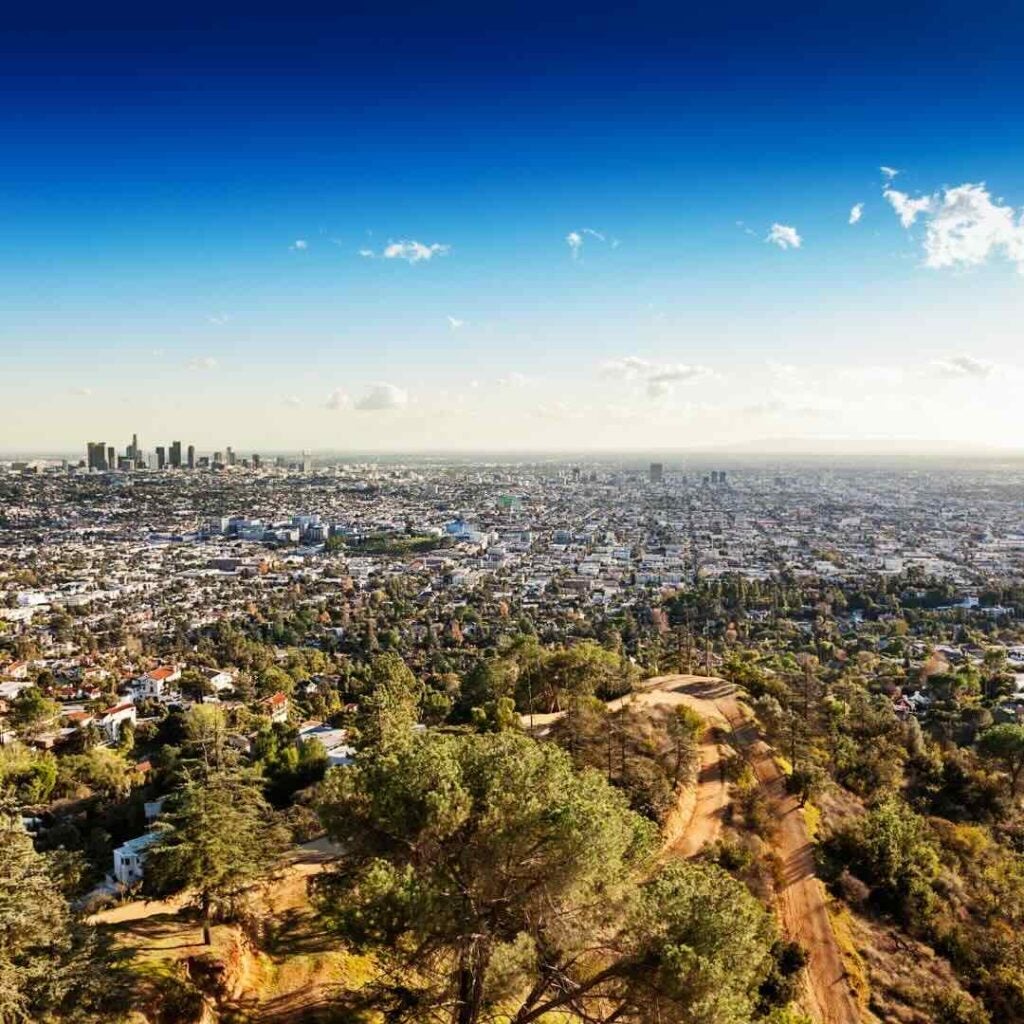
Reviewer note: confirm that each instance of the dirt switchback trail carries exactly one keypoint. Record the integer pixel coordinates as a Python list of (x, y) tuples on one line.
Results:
[(802, 898)]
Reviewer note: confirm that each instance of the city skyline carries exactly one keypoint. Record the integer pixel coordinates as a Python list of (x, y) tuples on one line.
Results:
[(538, 233)]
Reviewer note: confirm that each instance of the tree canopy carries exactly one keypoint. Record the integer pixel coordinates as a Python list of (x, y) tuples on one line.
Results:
[(489, 877)]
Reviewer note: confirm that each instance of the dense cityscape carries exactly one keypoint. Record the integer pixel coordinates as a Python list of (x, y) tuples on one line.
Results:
[(273, 616)]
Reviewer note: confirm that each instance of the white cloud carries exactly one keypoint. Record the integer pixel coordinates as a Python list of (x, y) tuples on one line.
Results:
[(455, 323), (202, 363), (575, 240), (889, 172), (368, 253), (300, 244), (383, 396), (512, 380), (856, 212), (338, 399), (661, 379), (964, 226), (629, 367), (784, 236), (907, 209), (414, 252), (81, 391), (218, 318), (293, 401), (963, 366), (658, 377)]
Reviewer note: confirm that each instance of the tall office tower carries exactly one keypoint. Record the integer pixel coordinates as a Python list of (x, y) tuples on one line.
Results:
[(161, 456), (231, 455), (657, 471), (133, 452), (191, 456), (175, 458), (255, 460), (111, 457), (218, 458), (307, 462), (96, 452), (721, 476)]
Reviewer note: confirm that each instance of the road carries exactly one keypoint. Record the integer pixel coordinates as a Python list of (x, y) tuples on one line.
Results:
[(802, 904)]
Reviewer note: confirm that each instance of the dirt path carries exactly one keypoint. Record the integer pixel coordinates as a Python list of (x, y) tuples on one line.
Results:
[(802, 900), (305, 860)]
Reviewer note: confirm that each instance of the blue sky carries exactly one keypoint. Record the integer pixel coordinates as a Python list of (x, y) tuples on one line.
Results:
[(187, 206)]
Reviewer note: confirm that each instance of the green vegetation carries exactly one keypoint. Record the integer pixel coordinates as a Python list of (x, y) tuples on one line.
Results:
[(492, 879)]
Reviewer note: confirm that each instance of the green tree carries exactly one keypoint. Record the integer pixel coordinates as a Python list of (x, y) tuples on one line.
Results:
[(31, 711), (492, 880), (206, 736), (391, 711), (44, 953), (217, 837), (1003, 746), (27, 776), (684, 728)]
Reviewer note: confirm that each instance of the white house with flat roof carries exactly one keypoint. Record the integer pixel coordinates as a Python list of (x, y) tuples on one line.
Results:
[(130, 858)]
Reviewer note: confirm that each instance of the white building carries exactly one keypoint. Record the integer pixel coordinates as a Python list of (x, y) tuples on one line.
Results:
[(157, 682), (130, 858), (114, 719)]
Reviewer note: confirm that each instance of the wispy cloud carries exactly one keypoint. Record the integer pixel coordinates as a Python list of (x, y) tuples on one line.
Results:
[(202, 363), (367, 253), (784, 236), (455, 323), (382, 396), (82, 392), (292, 401), (889, 172), (513, 379), (338, 399), (299, 245), (658, 378), (856, 212), (964, 226), (576, 239), (413, 251), (218, 318), (963, 366)]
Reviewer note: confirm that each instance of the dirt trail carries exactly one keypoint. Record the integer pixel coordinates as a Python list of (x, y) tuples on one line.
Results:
[(802, 900), (303, 861)]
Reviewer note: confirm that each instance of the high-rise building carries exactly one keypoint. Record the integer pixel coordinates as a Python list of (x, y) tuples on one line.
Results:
[(111, 457), (657, 472), (255, 460), (161, 456), (231, 455), (175, 455), (307, 462), (218, 458), (96, 455), (191, 456)]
